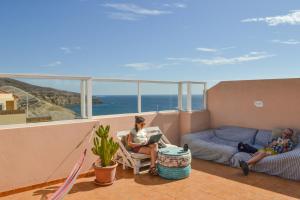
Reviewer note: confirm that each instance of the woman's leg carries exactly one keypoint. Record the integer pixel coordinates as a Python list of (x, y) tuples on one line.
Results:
[(149, 151), (154, 149), (257, 157)]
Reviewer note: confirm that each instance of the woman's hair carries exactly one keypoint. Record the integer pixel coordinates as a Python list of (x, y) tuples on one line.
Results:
[(138, 120)]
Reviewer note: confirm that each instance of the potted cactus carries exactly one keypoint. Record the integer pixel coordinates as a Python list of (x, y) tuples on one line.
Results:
[(104, 147)]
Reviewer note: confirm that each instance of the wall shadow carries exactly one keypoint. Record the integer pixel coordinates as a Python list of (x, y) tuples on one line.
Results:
[(167, 123)]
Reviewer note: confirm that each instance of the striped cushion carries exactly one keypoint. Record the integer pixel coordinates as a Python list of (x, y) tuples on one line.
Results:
[(285, 165)]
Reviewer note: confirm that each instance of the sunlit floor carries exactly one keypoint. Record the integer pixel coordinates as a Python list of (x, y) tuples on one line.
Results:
[(207, 181)]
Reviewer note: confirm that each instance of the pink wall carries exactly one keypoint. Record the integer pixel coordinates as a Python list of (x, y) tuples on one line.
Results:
[(232, 103), (194, 122), (30, 154)]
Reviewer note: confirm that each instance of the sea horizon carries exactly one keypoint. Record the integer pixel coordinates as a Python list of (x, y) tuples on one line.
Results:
[(121, 104)]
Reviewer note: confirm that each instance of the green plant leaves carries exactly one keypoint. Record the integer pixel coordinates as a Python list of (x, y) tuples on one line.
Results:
[(104, 146)]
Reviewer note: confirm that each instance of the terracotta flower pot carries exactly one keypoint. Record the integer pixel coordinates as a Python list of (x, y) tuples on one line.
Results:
[(105, 175)]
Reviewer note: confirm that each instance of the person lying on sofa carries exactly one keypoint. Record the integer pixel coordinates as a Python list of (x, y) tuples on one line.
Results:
[(278, 145)]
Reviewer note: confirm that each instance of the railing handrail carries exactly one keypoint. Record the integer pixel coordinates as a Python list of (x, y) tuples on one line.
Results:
[(86, 88), (102, 79), (44, 76)]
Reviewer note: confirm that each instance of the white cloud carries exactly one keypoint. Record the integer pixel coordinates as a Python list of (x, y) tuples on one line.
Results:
[(180, 5), (140, 66), (252, 56), (124, 16), (54, 64), (226, 48), (212, 50), (132, 12), (176, 5), (292, 18), (146, 66), (206, 49), (288, 42), (68, 50), (136, 9)]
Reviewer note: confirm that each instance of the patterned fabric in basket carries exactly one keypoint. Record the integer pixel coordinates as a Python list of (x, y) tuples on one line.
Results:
[(174, 157)]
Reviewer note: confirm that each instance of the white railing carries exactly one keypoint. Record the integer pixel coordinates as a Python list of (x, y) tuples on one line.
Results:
[(86, 90)]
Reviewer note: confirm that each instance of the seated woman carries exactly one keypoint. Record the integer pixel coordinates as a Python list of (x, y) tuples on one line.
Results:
[(137, 140), (278, 145)]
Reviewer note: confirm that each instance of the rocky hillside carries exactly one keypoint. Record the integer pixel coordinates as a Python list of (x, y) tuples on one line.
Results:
[(51, 95), (38, 107)]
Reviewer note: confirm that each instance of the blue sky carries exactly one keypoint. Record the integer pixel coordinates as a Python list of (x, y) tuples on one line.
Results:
[(197, 40)]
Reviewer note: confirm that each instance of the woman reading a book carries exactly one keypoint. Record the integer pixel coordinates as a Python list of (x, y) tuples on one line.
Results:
[(137, 141)]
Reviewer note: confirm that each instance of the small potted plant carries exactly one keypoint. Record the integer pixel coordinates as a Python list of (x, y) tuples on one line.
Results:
[(105, 147)]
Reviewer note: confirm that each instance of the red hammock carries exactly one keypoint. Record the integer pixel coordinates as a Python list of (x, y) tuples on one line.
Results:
[(64, 189), (69, 182)]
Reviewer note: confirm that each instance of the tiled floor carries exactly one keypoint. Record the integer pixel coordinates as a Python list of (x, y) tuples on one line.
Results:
[(207, 181)]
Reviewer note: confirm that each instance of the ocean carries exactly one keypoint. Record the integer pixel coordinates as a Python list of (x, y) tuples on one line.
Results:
[(120, 104)]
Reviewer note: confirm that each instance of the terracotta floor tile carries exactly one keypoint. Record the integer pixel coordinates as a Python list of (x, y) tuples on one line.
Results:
[(208, 181)]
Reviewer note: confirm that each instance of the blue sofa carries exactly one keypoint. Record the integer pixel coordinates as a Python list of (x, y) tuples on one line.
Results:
[(220, 145)]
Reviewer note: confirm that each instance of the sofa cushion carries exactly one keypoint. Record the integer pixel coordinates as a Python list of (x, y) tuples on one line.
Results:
[(223, 142), (234, 161), (236, 134), (263, 137), (204, 149), (207, 134)]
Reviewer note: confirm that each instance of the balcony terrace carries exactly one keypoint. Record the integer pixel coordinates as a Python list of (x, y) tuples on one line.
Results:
[(207, 181), (31, 152)]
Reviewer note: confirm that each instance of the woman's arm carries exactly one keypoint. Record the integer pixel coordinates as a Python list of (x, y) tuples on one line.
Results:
[(130, 143), (273, 142), (288, 145)]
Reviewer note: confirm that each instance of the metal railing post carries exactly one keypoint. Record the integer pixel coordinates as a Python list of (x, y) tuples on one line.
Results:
[(179, 106), (189, 97), (205, 97), (83, 98), (89, 97), (139, 96)]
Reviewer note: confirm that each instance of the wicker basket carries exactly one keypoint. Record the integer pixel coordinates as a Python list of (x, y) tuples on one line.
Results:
[(174, 173)]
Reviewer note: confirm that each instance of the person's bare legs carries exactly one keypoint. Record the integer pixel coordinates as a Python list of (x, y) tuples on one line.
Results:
[(252, 161), (152, 151), (257, 157)]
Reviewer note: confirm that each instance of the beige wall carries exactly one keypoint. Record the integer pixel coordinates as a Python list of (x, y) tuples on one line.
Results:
[(232, 103), (191, 122), (12, 119), (30, 154), (4, 97)]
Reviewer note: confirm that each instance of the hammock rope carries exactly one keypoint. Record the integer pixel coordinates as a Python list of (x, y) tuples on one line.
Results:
[(71, 152), (69, 182)]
